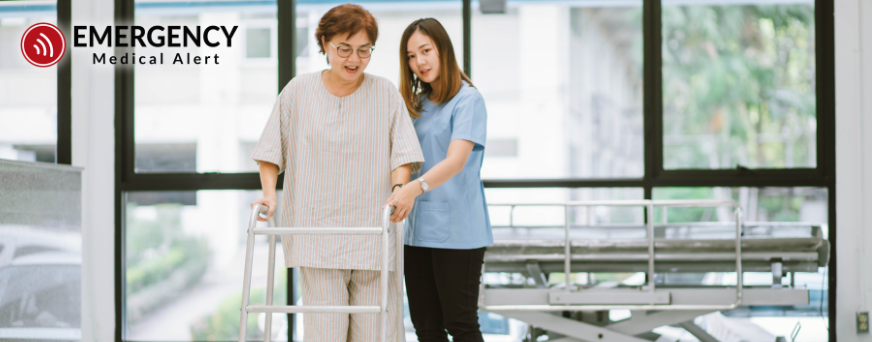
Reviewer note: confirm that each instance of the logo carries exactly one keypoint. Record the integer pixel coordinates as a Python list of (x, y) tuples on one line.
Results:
[(43, 45)]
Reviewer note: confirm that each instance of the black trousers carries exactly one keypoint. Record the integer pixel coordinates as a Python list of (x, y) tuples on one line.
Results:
[(442, 285)]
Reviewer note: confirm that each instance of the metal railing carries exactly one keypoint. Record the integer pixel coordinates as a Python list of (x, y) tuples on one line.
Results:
[(649, 205), (269, 309)]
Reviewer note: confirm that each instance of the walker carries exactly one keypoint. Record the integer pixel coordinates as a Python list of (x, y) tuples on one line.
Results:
[(381, 310)]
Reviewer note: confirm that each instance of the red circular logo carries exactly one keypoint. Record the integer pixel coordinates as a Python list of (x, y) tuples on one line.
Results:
[(43, 45)]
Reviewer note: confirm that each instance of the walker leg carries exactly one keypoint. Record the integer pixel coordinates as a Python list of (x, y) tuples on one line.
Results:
[(267, 329), (383, 316), (398, 329), (246, 278), (384, 274)]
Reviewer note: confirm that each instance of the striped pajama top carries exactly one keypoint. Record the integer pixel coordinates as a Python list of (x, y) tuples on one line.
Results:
[(337, 155)]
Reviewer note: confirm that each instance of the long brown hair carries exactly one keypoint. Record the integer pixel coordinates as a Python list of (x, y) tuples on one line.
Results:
[(411, 87)]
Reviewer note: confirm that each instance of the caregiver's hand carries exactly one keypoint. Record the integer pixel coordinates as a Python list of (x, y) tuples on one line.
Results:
[(269, 202), (403, 198)]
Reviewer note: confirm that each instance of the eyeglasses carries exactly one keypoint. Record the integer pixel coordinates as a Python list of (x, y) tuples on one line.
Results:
[(345, 51)]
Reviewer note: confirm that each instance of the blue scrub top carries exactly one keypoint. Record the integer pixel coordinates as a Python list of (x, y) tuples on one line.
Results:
[(454, 215)]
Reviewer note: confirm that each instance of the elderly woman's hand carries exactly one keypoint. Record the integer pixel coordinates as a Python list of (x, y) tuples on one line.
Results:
[(270, 202), (403, 198)]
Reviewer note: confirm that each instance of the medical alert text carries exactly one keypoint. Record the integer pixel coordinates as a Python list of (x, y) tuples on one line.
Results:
[(155, 36), (131, 58)]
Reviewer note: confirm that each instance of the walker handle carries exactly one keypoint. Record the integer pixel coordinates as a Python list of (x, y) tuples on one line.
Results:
[(261, 209)]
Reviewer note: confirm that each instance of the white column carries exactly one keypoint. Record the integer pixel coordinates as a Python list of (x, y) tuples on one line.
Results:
[(217, 136), (218, 141), (853, 35), (93, 145)]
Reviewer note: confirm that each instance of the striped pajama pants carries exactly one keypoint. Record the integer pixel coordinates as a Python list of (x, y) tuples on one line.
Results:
[(337, 287)]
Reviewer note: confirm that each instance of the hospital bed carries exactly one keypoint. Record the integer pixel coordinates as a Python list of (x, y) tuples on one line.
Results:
[(579, 311)]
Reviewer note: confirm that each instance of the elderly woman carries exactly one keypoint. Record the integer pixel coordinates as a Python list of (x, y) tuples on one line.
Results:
[(342, 139)]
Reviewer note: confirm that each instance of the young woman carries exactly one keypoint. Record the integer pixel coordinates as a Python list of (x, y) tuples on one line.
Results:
[(448, 226), (342, 138)]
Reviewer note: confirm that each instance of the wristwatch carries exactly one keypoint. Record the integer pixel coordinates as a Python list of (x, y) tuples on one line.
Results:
[(424, 185)]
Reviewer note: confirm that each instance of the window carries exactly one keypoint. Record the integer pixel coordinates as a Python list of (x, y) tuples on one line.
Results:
[(28, 94), (586, 100), (184, 248), (185, 253), (769, 204), (190, 118), (739, 86), (564, 81)]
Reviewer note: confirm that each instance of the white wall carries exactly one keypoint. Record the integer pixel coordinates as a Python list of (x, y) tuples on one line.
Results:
[(94, 150), (853, 163)]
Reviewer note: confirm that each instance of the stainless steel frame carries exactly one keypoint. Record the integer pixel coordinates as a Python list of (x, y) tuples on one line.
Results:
[(381, 309), (654, 298), (650, 306)]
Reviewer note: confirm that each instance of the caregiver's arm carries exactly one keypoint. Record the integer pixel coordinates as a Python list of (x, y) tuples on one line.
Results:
[(269, 173), (458, 153)]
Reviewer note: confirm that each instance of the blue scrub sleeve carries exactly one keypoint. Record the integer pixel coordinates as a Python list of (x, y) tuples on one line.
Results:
[(469, 119), (405, 148)]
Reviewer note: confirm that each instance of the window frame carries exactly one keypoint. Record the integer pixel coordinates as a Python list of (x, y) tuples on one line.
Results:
[(64, 147), (823, 175)]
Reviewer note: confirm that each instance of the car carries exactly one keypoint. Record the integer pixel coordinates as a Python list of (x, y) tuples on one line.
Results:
[(17, 241), (40, 286)]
